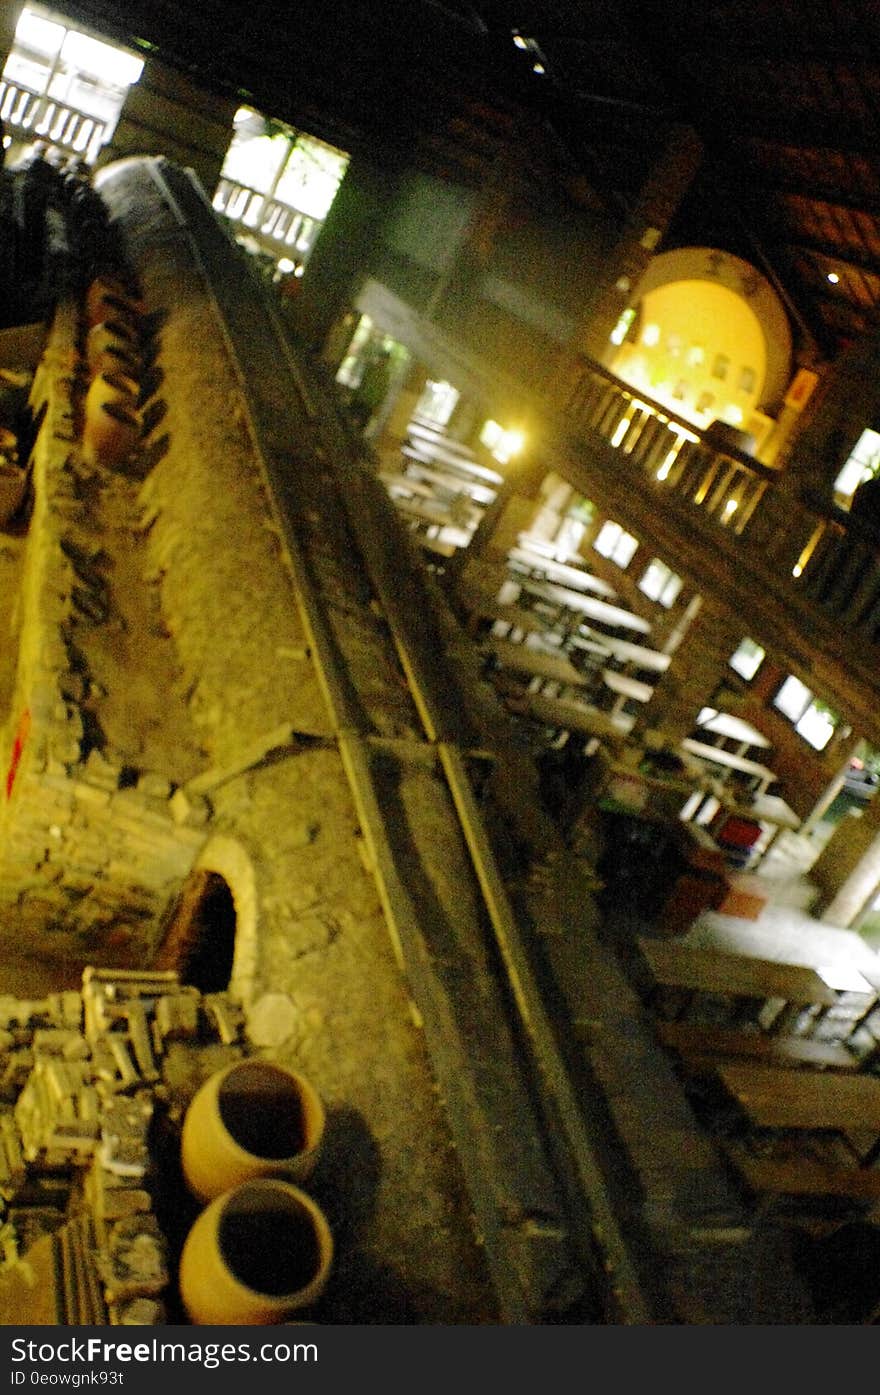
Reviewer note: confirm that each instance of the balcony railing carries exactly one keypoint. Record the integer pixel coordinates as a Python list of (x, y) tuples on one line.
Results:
[(819, 566), (271, 219), (34, 116)]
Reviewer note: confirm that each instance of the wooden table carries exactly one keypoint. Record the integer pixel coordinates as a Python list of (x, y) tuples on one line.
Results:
[(480, 607), (430, 447), (434, 545), (403, 486), (536, 663), (777, 1098), (735, 975), (725, 724), (626, 687), (566, 715), (599, 611), (639, 655), (434, 510), (703, 1046), (450, 480), (715, 756), (599, 648), (577, 578)]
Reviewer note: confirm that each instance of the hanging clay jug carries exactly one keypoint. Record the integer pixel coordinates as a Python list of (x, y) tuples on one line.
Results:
[(111, 432), (256, 1255), (110, 333), (252, 1119)]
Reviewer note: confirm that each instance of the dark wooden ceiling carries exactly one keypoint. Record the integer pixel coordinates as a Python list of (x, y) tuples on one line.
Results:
[(785, 95)]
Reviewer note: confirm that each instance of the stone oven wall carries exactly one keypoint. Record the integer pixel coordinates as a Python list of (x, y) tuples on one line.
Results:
[(90, 851)]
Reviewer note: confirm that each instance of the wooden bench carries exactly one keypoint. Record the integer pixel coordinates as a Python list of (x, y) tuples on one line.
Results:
[(783, 1099), (684, 969), (700, 1046), (803, 1177)]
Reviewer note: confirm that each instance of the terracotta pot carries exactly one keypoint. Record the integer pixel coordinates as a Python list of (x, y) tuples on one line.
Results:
[(110, 432), (111, 387), (110, 334), (13, 482), (253, 1119), (116, 359), (108, 298), (256, 1255)]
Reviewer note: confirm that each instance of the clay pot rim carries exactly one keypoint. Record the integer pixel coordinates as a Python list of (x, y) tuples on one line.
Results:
[(305, 1203), (312, 1105), (114, 329)]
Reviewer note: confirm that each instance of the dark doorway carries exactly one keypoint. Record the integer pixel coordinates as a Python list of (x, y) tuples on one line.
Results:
[(199, 940)]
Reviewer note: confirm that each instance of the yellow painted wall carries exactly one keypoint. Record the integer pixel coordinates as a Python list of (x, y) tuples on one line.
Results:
[(694, 323)]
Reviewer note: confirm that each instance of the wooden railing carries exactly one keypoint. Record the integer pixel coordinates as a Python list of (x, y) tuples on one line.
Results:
[(33, 115), (268, 217), (819, 565)]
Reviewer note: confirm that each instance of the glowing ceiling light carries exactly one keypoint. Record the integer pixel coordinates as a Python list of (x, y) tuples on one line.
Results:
[(538, 68), (651, 335), (731, 507), (286, 265), (833, 277), (519, 41)]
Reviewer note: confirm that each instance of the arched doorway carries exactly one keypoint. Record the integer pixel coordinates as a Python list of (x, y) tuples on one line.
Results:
[(199, 940)]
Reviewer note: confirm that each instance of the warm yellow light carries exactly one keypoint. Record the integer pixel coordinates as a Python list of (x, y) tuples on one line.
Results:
[(651, 335), (808, 551), (286, 265), (622, 427), (663, 472), (538, 68), (509, 445), (833, 277), (618, 333), (519, 41), (731, 507)]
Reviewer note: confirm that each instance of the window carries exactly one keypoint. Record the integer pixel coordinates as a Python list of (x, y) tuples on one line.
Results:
[(720, 366), (747, 380), (695, 355), (621, 329), (278, 181), (437, 402), (64, 86), (615, 544), (705, 401), (679, 392), (660, 582), (747, 659), (813, 720), (861, 464), (817, 725), (504, 444)]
